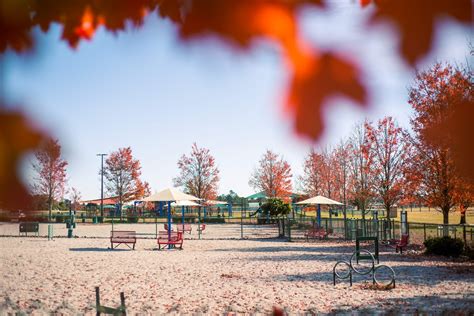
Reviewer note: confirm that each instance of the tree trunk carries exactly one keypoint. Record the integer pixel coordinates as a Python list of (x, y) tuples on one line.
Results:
[(445, 222), (388, 227), (50, 208), (445, 216), (463, 217)]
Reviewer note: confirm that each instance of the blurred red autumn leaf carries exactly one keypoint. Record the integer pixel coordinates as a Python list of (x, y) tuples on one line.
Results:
[(17, 137), (416, 19), (325, 77), (316, 77)]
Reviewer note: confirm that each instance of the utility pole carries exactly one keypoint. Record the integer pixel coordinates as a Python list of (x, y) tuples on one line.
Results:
[(102, 184)]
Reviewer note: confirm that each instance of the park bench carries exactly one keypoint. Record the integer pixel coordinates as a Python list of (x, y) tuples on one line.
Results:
[(399, 244), (170, 238), (29, 228), (125, 237), (183, 228), (180, 227), (101, 309), (314, 233)]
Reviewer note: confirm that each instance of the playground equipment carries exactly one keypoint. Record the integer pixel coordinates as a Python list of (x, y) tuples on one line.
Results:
[(121, 310), (71, 221), (377, 271), (360, 256)]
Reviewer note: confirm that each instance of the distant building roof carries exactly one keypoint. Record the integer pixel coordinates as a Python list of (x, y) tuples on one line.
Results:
[(259, 195), (107, 200), (262, 195)]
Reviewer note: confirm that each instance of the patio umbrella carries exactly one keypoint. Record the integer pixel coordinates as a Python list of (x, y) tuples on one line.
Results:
[(318, 200), (170, 195)]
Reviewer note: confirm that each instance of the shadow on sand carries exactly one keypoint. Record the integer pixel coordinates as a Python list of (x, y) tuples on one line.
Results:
[(97, 249)]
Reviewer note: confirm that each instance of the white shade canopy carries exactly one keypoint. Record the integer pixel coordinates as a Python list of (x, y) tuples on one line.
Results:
[(320, 200), (184, 203), (214, 202), (170, 194)]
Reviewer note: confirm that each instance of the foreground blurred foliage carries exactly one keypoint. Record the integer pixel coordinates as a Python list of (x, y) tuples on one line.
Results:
[(315, 76)]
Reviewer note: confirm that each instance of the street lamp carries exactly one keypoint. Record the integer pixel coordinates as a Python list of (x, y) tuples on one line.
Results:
[(102, 184)]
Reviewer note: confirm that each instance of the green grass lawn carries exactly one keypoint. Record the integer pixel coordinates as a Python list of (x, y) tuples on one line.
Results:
[(417, 216)]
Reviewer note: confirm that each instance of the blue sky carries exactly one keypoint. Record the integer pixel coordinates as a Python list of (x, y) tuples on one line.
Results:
[(146, 89)]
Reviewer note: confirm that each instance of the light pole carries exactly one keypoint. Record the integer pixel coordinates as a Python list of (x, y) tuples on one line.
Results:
[(102, 184)]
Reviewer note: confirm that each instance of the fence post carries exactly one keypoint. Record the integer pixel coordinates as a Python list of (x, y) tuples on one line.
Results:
[(241, 226), (424, 232), (289, 229), (464, 233)]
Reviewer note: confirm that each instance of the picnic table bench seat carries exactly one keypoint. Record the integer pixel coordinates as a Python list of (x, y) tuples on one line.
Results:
[(314, 233), (167, 237), (29, 227), (126, 237), (399, 244)]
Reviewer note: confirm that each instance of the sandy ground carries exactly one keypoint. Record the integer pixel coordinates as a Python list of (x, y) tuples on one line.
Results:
[(214, 276)]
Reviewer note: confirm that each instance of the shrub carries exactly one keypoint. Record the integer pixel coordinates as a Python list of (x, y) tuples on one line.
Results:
[(187, 219), (469, 252), (444, 246), (219, 220), (132, 219), (275, 207)]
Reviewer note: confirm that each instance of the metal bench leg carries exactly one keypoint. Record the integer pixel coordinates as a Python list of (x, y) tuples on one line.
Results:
[(122, 303), (97, 301)]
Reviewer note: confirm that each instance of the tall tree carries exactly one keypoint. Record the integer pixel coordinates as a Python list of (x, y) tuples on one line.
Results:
[(273, 176), (50, 172), (122, 173), (198, 173), (328, 173), (390, 151), (435, 95), (361, 160), (75, 197), (342, 157), (311, 179)]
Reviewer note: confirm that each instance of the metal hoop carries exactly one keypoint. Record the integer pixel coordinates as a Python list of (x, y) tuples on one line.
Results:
[(371, 257), (392, 276), (343, 276)]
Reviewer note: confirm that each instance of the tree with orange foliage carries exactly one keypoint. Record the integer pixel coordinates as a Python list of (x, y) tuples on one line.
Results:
[(464, 198), (122, 173), (272, 176), (390, 153), (435, 96), (311, 179), (329, 173), (361, 160), (199, 175), (75, 198), (342, 171), (50, 171)]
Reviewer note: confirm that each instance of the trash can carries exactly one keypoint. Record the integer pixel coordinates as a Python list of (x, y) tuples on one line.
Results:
[(94, 220)]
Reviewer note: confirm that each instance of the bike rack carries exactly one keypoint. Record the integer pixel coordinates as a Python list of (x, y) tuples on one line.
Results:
[(372, 269)]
